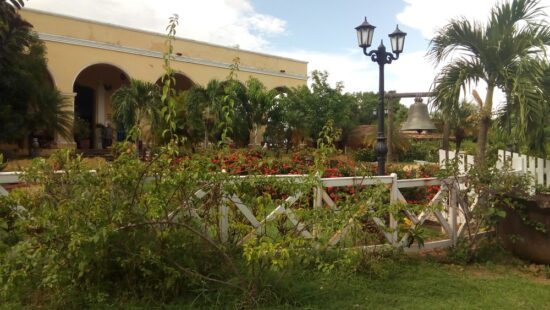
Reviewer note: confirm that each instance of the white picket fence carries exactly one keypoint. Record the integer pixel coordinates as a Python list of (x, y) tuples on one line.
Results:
[(537, 168), (465, 162), (450, 216)]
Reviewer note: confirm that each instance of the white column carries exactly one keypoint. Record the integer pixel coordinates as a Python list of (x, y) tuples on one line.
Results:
[(100, 117)]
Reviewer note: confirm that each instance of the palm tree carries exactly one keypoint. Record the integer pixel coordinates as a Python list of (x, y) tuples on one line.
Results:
[(137, 104), (49, 112), (260, 102), (491, 53), (234, 105), (528, 124), (29, 104), (457, 117), (206, 102), (400, 143)]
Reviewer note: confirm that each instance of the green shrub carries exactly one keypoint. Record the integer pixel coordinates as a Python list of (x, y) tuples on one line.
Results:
[(422, 150), (135, 230), (419, 150), (89, 237), (365, 154)]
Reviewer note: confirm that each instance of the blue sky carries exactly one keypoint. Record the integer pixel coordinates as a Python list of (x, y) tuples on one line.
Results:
[(318, 31), (327, 25)]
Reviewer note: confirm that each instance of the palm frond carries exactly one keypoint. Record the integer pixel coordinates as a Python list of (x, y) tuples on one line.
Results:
[(136, 101), (460, 35)]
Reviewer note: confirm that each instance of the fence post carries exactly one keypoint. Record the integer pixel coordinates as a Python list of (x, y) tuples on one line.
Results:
[(317, 201), (540, 171), (453, 208), (318, 197), (394, 198), (223, 218)]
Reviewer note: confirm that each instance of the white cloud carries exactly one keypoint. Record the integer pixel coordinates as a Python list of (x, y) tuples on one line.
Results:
[(410, 73), (266, 24), (429, 15), (225, 22), (236, 22), (350, 67)]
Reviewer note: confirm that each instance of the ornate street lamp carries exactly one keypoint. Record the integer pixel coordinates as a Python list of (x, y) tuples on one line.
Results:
[(365, 33)]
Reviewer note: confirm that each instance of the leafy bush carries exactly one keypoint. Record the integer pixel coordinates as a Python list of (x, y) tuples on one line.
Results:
[(138, 230), (419, 150), (365, 154), (90, 236), (491, 189), (422, 150), (173, 226)]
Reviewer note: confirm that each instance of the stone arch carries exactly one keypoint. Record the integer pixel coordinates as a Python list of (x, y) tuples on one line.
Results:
[(282, 89), (102, 64), (93, 87), (183, 82)]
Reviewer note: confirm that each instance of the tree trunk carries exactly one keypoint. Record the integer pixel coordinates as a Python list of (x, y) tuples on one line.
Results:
[(445, 142), (253, 135), (484, 124), (458, 142)]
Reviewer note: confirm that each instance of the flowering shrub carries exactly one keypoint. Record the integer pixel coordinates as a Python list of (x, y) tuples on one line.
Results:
[(259, 162)]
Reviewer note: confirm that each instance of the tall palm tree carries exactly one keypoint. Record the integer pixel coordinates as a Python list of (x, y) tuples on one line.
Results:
[(529, 123), (49, 111), (458, 117), (234, 121), (29, 104), (206, 102), (137, 104), (491, 53), (260, 102)]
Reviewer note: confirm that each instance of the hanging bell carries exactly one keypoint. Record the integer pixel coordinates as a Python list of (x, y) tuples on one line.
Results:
[(418, 118)]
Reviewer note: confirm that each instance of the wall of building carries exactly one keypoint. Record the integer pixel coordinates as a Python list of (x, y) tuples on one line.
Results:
[(103, 57), (74, 44)]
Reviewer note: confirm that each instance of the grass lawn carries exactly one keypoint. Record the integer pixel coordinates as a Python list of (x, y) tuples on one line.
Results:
[(433, 286), (410, 283), (419, 284)]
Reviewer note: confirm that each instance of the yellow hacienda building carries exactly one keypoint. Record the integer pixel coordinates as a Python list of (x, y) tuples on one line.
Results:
[(88, 60)]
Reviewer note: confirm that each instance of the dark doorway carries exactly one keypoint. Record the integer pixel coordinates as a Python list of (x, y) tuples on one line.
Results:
[(84, 106)]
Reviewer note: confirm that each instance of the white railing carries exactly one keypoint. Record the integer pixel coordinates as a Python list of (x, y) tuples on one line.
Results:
[(537, 168), (450, 217)]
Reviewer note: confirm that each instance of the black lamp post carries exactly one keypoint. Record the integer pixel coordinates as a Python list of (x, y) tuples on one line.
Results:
[(365, 32)]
